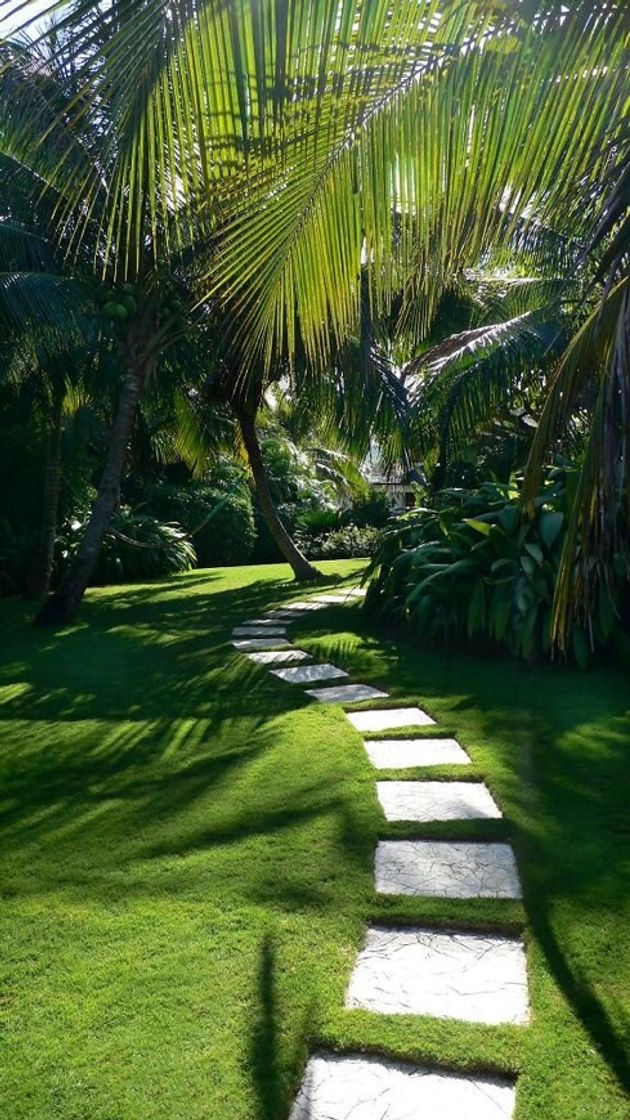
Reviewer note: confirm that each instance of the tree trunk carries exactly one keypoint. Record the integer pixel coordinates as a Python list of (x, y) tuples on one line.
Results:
[(302, 570), (62, 607), (40, 581)]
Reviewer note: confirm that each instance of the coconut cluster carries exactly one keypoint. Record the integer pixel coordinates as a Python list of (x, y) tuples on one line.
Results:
[(118, 304)]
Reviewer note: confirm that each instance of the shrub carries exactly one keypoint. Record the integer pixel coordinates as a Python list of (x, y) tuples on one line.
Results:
[(475, 569), (136, 546), (318, 520), (372, 510), (340, 544), (227, 537)]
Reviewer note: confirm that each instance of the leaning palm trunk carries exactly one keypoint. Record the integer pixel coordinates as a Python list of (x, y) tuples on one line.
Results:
[(40, 581), (63, 605), (300, 565)]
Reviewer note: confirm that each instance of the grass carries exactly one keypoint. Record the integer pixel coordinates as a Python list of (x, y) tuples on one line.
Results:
[(187, 848)]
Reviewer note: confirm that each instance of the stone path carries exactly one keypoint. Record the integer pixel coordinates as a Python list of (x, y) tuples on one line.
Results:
[(474, 977), (436, 801), (445, 973), (402, 754), (446, 869), (355, 1087)]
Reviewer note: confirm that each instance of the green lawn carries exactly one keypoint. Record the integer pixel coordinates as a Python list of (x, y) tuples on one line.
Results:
[(187, 849)]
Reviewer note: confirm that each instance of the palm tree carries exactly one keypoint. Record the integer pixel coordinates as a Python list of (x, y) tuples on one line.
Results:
[(39, 86), (324, 139), (597, 361), (45, 328)]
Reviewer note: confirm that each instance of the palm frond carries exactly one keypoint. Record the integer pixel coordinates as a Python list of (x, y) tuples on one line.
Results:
[(600, 354), (412, 136), (39, 300)]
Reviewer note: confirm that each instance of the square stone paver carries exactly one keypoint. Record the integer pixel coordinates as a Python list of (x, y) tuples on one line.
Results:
[(396, 754), (305, 674), (442, 869), (475, 977), (436, 801), (346, 693), (258, 631), (251, 645), (358, 1087), (386, 719), (279, 657)]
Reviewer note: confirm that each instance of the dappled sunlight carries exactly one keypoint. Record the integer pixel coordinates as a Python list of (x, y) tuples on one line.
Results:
[(212, 832)]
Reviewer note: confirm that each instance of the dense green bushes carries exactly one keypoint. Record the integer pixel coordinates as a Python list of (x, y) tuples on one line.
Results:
[(339, 544), (474, 570), (218, 516)]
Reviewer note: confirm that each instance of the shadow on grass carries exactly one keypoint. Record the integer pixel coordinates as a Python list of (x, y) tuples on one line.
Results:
[(158, 673), (147, 652), (273, 1076)]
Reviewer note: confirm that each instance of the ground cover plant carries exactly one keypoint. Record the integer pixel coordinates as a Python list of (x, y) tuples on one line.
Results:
[(187, 850)]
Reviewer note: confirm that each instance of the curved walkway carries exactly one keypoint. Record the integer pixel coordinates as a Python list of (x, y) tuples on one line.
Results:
[(474, 977)]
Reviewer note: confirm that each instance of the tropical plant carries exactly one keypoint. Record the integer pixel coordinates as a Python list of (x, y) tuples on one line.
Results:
[(596, 364), (41, 132), (340, 544), (475, 569), (136, 546), (489, 377), (217, 517), (409, 141)]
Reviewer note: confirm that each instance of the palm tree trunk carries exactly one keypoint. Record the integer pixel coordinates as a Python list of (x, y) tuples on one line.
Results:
[(62, 607), (40, 582), (302, 570)]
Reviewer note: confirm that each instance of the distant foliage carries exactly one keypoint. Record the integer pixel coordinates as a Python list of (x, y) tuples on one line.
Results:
[(219, 516), (372, 510), (340, 544), (474, 570), (326, 531), (136, 547)]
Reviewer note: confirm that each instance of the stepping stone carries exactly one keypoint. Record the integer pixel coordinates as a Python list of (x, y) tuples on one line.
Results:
[(253, 645), (304, 674), (279, 657), (306, 605), (396, 754), (346, 693), (333, 598), (266, 622), (281, 614), (478, 978), (441, 869), (258, 631), (436, 801), (358, 1087), (386, 719)]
